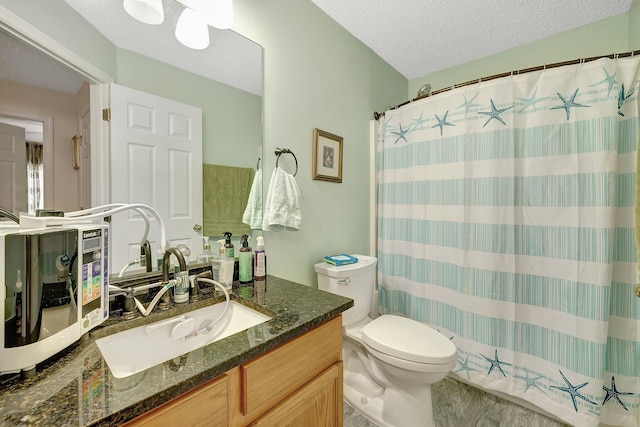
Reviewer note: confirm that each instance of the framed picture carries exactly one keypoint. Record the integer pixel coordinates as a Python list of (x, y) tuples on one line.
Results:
[(327, 156)]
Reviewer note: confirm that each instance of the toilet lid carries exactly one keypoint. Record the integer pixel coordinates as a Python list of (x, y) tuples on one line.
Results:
[(408, 339)]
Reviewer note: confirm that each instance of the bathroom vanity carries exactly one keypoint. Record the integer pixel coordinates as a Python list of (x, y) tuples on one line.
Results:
[(299, 382), (287, 368)]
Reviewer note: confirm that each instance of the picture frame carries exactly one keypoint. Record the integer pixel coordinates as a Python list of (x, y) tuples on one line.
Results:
[(327, 156)]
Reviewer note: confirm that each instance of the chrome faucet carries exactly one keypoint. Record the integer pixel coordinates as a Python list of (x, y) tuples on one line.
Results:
[(145, 256), (165, 301)]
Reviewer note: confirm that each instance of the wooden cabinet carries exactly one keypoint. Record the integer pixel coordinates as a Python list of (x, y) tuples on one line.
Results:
[(203, 406), (319, 403), (296, 384)]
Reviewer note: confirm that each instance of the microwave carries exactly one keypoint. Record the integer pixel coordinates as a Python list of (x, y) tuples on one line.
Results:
[(54, 285)]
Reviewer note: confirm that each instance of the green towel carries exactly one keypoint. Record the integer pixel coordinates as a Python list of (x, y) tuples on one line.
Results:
[(225, 191)]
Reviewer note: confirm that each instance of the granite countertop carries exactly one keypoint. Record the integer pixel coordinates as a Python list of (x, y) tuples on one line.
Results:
[(76, 387)]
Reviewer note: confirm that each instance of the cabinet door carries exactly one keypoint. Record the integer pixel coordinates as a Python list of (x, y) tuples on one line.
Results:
[(272, 377), (317, 404), (204, 406)]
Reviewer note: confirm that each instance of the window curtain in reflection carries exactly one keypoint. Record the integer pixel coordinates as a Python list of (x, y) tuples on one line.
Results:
[(506, 221), (35, 177)]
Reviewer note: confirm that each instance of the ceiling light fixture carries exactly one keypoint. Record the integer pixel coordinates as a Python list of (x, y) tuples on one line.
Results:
[(147, 11), (192, 28), (217, 13)]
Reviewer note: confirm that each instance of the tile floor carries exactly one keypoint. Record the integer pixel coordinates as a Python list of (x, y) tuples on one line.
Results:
[(456, 404)]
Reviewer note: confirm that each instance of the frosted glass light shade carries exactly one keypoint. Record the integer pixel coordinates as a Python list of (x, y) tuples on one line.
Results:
[(192, 30), (147, 11), (217, 13)]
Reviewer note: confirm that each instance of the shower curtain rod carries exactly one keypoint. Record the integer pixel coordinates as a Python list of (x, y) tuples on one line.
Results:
[(377, 115)]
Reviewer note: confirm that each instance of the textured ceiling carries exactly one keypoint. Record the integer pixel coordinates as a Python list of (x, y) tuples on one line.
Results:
[(416, 37), (419, 37)]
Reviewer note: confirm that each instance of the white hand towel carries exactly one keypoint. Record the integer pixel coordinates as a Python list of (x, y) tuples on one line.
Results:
[(282, 208), (253, 212)]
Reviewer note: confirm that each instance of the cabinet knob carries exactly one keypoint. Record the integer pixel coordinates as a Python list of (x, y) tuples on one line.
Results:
[(197, 228)]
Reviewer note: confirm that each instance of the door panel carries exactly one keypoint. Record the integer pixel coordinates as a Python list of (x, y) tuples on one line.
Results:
[(156, 159), (13, 169)]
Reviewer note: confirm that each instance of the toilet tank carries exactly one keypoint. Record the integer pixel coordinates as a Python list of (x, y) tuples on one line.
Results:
[(355, 281)]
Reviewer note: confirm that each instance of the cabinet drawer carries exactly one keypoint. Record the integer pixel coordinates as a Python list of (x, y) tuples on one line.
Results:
[(318, 403), (271, 377), (204, 406)]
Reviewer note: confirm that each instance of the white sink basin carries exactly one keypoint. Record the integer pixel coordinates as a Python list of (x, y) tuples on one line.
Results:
[(137, 349)]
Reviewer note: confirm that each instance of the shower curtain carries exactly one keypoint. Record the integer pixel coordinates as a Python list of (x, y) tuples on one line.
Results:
[(35, 177), (506, 221)]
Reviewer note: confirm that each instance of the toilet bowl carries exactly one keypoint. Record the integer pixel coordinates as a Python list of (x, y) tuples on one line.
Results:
[(391, 361)]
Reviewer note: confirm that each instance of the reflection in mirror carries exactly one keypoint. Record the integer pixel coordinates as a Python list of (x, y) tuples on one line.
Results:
[(34, 162), (71, 188), (35, 89)]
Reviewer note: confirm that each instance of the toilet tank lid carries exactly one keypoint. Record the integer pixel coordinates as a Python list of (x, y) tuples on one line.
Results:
[(365, 263)]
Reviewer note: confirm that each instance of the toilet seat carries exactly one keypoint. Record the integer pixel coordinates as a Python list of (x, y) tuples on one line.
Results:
[(409, 340)]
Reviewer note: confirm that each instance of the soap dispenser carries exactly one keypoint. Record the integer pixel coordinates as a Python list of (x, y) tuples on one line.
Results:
[(206, 256), (245, 261), (260, 260)]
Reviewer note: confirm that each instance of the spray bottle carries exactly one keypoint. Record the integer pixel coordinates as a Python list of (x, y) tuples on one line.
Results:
[(225, 269), (228, 246), (245, 271), (260, 260)]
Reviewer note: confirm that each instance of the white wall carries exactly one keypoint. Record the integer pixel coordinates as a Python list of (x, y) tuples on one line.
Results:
[(63, 110)]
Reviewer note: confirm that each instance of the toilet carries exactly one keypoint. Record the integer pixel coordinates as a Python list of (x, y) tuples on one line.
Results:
[(391, 361)]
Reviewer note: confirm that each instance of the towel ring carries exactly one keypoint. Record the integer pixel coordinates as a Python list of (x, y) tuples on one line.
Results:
[(281, 151)]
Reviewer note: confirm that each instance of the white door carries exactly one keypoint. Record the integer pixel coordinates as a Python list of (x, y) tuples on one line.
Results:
[(156, 159), (13, 169), (84, 185)]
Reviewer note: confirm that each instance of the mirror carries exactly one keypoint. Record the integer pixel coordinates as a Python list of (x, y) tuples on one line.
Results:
[(69, 184)]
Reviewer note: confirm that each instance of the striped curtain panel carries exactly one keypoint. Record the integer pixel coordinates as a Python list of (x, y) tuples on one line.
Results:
[(506, 221)]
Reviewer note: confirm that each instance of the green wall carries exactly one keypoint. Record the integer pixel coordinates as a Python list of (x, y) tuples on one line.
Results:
[(60, 22), (232, 118), (614, 35), (317, 76)]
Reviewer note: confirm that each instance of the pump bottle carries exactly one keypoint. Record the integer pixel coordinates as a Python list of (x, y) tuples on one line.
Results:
[(260, 260), (245, 273), (225, 272), (206, 255)]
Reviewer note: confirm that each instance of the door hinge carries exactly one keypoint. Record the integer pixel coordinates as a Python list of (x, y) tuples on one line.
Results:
[(106, 114)]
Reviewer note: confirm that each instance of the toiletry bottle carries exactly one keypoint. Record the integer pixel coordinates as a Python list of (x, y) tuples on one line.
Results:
[(10, 298), (159, 255), (245, 271), (216, 263), (226, 267), (260, 260), (19, 296), (229, 250), (206, 256)]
